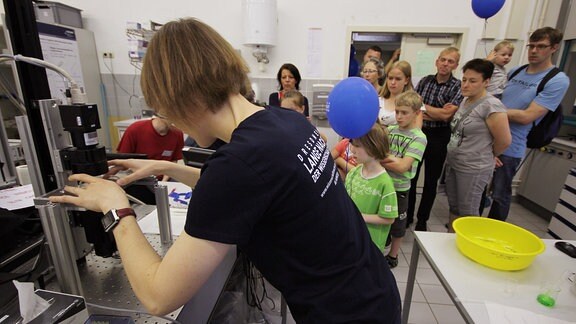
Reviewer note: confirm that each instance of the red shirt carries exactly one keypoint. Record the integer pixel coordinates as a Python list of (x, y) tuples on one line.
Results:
[(141, 137)]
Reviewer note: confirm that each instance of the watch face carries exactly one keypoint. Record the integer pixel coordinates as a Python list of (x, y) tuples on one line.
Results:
[(108, 221)]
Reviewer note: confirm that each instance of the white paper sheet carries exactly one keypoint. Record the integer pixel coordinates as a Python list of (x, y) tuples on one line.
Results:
[(149, 224), (17, 197)]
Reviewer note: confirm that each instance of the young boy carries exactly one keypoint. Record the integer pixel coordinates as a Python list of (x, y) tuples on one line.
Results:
[(407, 144), (500, 56), (370, 186)]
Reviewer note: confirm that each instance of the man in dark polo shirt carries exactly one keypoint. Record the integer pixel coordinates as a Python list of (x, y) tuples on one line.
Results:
[(441, 95)]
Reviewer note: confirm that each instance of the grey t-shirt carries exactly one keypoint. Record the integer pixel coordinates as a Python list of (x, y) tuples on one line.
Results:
[(470, 146)]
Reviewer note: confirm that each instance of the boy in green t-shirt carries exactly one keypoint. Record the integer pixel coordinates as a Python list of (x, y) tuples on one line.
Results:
[(407, 144), (370, 186)]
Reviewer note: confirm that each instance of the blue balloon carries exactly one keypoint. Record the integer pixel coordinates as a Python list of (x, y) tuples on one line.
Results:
[(352, 107), (487, 8)]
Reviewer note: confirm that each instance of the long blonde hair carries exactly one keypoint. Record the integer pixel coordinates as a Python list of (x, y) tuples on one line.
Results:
[(406, 69)]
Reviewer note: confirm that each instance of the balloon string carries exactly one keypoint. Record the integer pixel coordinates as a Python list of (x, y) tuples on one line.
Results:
[(484, 37), (347, 158)]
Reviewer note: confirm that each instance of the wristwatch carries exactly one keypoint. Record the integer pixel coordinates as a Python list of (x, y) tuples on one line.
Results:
[(113, 217)]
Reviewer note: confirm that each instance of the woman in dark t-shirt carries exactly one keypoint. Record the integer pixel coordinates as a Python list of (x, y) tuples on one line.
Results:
[(273, 191)]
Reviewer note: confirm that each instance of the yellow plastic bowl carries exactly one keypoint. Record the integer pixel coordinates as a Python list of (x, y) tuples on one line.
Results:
[(496, 244)]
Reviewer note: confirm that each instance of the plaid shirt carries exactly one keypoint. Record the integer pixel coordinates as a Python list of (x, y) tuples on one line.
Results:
[(438, 94)]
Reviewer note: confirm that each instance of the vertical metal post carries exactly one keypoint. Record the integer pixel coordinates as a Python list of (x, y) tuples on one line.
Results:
[(163, 211), (54, 220), (30, 155)]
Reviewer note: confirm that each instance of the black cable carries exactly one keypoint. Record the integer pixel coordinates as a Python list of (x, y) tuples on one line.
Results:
[(114, 78), (253, 278)]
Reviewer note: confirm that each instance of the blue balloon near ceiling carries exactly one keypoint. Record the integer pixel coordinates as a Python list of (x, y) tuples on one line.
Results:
[(487, 8)]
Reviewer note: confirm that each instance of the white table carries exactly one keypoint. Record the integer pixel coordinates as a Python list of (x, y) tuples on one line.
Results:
[(471, 285)]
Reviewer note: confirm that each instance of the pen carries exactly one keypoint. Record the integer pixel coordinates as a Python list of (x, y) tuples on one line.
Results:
[(61, 313)]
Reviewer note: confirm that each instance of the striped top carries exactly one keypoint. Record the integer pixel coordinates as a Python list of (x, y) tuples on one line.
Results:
[(403, 143)]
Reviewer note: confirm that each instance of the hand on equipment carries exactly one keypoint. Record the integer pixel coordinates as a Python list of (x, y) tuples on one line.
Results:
[(140, 169), (96, 194)]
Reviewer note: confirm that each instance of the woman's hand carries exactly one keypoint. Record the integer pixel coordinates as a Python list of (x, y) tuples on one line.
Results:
[(96, 194), (497, 162), (140, 169)]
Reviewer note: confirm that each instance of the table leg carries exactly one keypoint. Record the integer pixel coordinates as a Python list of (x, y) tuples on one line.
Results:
[(411, 281)]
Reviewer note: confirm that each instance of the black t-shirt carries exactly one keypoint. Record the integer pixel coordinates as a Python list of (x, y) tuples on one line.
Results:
[(275, 192)]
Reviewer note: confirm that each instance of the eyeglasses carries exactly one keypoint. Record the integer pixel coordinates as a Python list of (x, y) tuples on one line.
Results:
[(160, 116), (164, 118), (538, 47), (369, 71)]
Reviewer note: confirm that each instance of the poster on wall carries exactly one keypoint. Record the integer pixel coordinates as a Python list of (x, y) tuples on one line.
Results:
[(59, 47)]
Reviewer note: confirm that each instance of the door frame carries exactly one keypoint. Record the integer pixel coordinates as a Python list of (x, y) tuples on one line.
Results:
[(461, 31)]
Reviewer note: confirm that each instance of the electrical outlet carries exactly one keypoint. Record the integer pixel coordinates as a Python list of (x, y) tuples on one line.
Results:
[(108, 55)]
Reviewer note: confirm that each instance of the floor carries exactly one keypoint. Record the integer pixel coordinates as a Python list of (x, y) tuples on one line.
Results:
[(430, 302)]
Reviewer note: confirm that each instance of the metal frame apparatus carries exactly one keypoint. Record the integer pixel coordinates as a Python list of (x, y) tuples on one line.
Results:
[(63, 245), (7, 169)]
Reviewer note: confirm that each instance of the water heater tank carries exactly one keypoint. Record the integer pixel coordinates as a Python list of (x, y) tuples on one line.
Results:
[(260, 22)]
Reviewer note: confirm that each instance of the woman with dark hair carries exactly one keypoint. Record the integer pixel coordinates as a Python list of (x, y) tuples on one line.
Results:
[(288, 79), (480, 132)]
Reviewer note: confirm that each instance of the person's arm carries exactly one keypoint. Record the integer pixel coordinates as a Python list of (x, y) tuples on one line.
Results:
[(420, 120), (500, 130), (528, 115), (306, 108), (377, 220), (440, 114), (342, 164), (491, 56), (162, 285), (273, 99), (393, 59), (398, 164), (144, 168)]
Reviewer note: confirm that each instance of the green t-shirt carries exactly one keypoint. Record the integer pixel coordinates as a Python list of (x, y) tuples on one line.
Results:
[(412, 143), (373, 196)]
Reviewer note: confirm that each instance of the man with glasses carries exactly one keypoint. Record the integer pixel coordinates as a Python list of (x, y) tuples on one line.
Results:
[(441, 95), (525, 107)]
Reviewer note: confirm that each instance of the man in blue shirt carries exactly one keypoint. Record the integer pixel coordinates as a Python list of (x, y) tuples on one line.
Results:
[(524, 108)]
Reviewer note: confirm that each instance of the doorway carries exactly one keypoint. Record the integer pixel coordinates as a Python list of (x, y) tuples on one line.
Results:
[(419, 46)]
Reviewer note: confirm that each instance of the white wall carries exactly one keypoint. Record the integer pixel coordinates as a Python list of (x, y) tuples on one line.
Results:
[(107, 19)]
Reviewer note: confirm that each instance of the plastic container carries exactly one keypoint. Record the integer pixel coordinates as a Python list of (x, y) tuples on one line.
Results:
[(58, 13), (496, 244)]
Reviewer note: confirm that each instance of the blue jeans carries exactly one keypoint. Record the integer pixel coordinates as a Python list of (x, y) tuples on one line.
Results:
[(502, 187)]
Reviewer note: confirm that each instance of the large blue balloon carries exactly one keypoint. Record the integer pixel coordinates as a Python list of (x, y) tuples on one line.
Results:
[(487, 8), (352, 107)]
